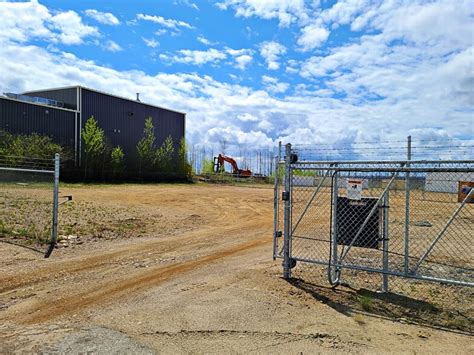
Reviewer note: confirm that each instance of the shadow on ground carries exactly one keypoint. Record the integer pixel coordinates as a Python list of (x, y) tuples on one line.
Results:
[(350, 301)]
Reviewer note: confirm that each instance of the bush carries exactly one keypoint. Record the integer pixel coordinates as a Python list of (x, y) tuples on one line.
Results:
[(116, 161), (15, 149), (208, 166)]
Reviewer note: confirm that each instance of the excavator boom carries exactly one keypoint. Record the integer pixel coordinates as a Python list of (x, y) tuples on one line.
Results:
[(219, 166)]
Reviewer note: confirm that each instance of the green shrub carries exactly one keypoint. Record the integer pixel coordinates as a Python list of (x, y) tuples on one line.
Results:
[(208, 166), (16, 148), (117, 160)]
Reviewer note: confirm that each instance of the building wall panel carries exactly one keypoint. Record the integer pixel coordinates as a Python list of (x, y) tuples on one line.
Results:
[(25, 118), (123, 120), (68, 96)]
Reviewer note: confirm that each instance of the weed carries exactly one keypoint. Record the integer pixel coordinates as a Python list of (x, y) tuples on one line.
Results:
[(365, 302)]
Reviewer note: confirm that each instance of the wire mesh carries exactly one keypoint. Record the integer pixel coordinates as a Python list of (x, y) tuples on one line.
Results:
[(26, 201), (407, 221)]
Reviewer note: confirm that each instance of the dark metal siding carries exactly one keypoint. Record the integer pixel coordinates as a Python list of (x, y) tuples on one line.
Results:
[(68, 96), (25, 118), (123, 120)]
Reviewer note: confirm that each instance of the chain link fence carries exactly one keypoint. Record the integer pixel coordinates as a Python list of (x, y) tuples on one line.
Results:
[(29, 190), (381, 226)]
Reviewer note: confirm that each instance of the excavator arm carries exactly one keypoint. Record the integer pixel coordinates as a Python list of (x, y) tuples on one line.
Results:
[(219, 166)]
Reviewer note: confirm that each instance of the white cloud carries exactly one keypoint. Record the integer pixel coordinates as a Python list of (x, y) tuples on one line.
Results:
[(187, 3), (205, 41), (410, 73), (169, 23), (243, 60), (286, 11), (247, 117), (271, 52), (274, 85), (151, 42), (105, 18), (31, 20), (312, 36), (112, 46), (195, 57)]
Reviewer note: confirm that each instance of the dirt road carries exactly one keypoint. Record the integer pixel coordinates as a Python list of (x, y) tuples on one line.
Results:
[(198, 278)]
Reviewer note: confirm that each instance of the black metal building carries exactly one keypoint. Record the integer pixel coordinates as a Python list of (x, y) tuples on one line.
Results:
[(62, 113)]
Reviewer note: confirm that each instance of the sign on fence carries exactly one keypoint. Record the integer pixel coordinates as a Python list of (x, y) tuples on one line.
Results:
[(354, 189)]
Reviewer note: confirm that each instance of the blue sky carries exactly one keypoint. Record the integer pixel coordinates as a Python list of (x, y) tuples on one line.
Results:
[(255, 72)]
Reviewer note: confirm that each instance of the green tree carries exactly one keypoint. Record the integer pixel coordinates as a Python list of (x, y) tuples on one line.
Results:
[(164, 156), (94, 143), (184, 169), (116, 160), (146, 146), (207, 166)]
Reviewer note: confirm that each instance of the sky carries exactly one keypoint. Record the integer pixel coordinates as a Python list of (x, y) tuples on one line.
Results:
[(255, 72)]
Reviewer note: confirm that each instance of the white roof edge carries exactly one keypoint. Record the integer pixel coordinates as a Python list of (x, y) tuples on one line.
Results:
[(104, 93), (38, 104)]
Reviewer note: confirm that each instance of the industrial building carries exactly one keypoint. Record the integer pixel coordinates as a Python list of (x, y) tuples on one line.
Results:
[(61, 113)]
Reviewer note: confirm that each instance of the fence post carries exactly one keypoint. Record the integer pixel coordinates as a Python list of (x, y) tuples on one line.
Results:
[(386, 206), (276, 205), (54, 228), (407, 208), (287, 212), (334, 277)]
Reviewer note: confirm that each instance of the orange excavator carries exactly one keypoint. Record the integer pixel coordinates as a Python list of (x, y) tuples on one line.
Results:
[(219, 166)]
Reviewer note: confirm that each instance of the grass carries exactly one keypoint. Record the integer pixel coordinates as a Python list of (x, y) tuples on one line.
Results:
[(365, 302)]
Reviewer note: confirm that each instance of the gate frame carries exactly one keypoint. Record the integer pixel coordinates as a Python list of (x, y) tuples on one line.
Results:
[(334, 264)]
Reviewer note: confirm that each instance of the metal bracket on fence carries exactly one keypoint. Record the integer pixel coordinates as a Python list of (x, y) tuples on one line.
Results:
[(442, 232), (376, 206), (68, 198)]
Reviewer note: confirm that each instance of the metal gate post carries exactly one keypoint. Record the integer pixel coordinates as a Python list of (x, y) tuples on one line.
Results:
[(287, 213), (54, 228), (385, 240), (276, 205), (334, 278), (407, 209)]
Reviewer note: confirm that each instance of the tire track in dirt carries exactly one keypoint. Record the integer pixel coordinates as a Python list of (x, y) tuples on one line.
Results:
[(44, 311), (82, 264)]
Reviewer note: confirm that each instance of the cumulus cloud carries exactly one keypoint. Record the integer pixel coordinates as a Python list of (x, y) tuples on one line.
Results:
[(23, 21), (274, 85), (312, 36), (271, 52), (169, 23), (105, 18), (411, 72), (286, 11)]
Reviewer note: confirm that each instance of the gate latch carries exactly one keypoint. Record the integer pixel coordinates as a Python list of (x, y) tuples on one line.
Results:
[(285, 196)]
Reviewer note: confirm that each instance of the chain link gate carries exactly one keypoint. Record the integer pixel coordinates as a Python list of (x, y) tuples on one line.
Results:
[(402, 219)]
